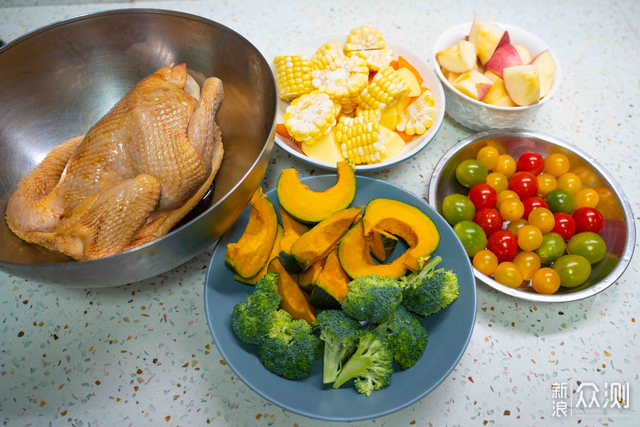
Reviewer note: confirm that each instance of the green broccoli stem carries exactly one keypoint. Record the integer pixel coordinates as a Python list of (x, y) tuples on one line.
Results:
[(333, 357), (357, 366), (428, 268)]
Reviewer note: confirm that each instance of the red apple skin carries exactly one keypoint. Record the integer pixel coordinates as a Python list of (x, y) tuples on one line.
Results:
[(504, 57), (504, 40), (483, 88)]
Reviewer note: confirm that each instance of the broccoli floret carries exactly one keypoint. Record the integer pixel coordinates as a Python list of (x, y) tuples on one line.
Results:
[(290, 348), (429, 291), (370, 365), (252, 319), (406, 337), (340, 334), (372, 298)]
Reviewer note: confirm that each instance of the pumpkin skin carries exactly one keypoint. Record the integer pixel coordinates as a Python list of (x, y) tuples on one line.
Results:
[(316, 244), (294, 301), (309, 206), (407, 222), (274, 253), (292, 232), (331, 287), (251, 252), (381, 244)]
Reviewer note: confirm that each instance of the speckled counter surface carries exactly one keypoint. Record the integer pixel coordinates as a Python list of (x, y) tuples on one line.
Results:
[(142, 353)]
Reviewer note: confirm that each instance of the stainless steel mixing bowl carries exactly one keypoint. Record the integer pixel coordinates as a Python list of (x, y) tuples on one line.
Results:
[(56, 82), (619, 231)]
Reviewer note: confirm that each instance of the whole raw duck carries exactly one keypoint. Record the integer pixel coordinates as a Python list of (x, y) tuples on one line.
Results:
[(132, 177)]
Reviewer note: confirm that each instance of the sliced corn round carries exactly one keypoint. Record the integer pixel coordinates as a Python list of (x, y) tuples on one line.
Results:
[(360, 140), (418, 117), (385, 89), (310, 117), (364, 38), (293, 76), (344, 84), (328, 57), (376, 59)]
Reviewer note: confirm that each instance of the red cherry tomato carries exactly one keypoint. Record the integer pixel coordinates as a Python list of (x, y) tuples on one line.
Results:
[(504, 244), (530, 203), (483, 196), (587, 219), (565, 225), (525, 184), (530, 162), (489, 220)]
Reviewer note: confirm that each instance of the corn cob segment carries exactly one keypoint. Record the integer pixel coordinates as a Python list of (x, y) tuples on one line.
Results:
[(364, 38), (328, 57), (418, 117), (385, 89), (293, 76), (310, 117), (376, 59), (344, 84), (369, 115), (360, 140)]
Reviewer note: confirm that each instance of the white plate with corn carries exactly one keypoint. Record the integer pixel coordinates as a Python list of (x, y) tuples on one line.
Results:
[(355, 96)]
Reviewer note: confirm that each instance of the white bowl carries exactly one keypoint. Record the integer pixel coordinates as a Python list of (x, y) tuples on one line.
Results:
[(309, 46), (481, 116)]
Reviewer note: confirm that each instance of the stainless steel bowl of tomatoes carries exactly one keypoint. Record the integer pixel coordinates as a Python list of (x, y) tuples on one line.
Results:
[(541, 219)]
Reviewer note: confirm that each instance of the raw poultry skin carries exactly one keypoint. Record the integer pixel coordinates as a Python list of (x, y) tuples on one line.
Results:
[(132, 177)]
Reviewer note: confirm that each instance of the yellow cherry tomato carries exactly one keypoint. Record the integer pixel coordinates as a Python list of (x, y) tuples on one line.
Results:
[(506, 165), (488, 156), (570, 182), (543, 219), (556, 164), (528, 262), (508, 274), (506, 194), (546, 184), (486, 262), (498, 182), (516, 225), (587, 198), (546, 281), (529, 238), (511, 209)]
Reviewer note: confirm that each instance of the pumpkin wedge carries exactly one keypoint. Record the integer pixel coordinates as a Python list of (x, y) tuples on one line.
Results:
[(407, 222), (353, 252), (294, 300), (331, 287), (251, 252), (308, 278), (318, 242), (274, 253), (292, 232), (310, 206), (381, 244)]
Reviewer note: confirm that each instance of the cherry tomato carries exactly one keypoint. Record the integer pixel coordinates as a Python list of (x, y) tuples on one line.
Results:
[(483, 196), (546, 281), (565, 225), (570, 182), (498, 182), (472, 237), (471, 172), (506, 165), (556, 164), (589, 245), (508, 274), (588, 219), (488, 156), (511, 209), (573, 270), (506, 194), (528, 263), (486, 262), (542, 218), (530, 162), (456, 208), (587, 198), (516, 225), (529, 238), (503, 244), (551, 248), (531, 203), (561, 201), (546, 183), (524, 184), (489, 220)]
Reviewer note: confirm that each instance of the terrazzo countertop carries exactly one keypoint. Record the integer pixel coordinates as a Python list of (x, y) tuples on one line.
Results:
[(142, 352)]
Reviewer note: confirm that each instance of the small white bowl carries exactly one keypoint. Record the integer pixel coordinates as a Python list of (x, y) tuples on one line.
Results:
[(481, 116), (309, 46)]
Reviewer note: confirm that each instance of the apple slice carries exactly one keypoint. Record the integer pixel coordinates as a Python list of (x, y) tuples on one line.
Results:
[(505, 39), (486, 37), (498, 95), (505, 56), (473, 84), (458, 58), (492, 76), (524, 53), (547, 69), (450, 76), (523, 84)]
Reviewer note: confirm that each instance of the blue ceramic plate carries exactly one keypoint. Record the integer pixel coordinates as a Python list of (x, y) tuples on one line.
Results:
[(449, 330)]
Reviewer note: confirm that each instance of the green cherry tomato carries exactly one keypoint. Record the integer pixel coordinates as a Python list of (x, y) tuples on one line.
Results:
[(471, 172), (551, 248), (472, 237), (573, 270), (561, 201), (456, 208), (589, 245)]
